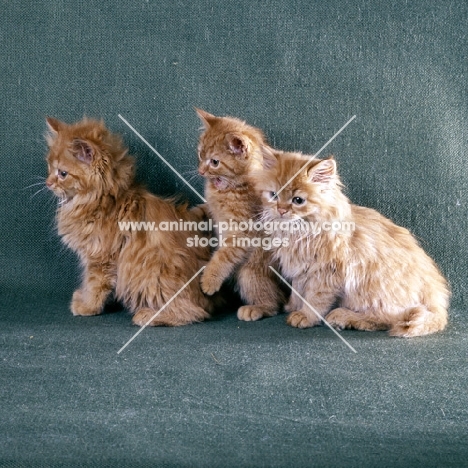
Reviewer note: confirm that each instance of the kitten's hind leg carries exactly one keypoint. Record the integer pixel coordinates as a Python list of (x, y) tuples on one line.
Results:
[(97, 285), (342, 318)]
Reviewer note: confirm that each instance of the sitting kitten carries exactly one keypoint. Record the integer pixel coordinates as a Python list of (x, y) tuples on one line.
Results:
[(93, 177), (378, 274), (229, 151)]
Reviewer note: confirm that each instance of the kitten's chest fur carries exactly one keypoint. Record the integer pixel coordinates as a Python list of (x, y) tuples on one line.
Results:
[(92, 232), (316, 257), (297, 258)]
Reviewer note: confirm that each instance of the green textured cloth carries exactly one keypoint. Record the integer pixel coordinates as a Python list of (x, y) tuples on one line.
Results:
[(229, 393)]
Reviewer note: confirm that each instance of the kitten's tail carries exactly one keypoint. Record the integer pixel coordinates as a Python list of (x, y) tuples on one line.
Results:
[(419, 321), (430, 315)]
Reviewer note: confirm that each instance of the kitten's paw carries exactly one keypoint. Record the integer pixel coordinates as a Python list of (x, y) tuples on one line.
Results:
[(149, 317), (300, 320), (210, 283), (200, 211), (77, 295), (338, 319), (144, 316), (81, 307), (250, 313)]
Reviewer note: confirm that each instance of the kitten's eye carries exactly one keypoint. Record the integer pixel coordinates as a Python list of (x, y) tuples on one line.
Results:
[(273, 196), (298, 200), (62, 174), (214, 162)]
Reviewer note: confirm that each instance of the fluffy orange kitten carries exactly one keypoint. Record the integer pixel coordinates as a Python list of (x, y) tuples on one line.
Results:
[(92, 175), (229, 151), (377, 273)]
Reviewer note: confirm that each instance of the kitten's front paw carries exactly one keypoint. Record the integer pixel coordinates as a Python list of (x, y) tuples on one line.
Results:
[(144, 317), (80, 307), (337, 318), (250, 313), (300, 320), (200, 211), (210, 283), (77, 295)]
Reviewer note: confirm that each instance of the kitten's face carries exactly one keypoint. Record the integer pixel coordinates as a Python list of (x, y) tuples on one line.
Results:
[(292, 192), (228, 149), (64, 179), (68, 161), (83, 158)]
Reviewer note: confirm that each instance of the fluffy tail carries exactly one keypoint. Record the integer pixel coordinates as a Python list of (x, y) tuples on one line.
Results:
[(419, 321)]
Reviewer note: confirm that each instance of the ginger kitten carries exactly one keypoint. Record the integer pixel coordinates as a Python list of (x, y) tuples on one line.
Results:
[(229, 151), (377, 273), (93, 177)]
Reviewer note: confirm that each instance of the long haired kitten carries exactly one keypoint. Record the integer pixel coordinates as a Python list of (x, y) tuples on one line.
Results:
[(93, 178), (377, 273), (229, 151)]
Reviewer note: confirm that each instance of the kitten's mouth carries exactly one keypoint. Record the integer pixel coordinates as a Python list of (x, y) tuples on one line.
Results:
[(63, 199), (286, 219), (219, 182)]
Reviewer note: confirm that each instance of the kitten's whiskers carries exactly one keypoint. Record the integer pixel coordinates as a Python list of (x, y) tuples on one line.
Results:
[(39, 191), (33, 185)]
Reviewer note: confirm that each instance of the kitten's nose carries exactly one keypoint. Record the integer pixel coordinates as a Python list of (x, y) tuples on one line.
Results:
[(201, 171), (282, 211), (48, 183)]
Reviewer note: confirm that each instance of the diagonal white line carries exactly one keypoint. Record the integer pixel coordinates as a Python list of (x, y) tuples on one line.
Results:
[(160, 310), (314, 311), (159, 155), (316, 154)]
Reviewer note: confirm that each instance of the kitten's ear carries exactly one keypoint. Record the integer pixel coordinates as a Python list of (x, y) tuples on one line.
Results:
[(323, 173), (237, 144), (270, 159), (53, 127), (206, 118), (83, 151)]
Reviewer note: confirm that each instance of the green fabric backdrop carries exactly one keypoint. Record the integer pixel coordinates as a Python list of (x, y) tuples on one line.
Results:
[(225, 393)]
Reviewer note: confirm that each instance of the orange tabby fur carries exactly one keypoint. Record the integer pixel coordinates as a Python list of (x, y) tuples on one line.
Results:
[(229, 151), (91, 173), (378, 274)]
